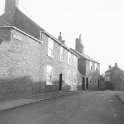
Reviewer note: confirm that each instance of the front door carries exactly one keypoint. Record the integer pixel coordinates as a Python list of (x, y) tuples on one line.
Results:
[(83, 83), (60, 81)]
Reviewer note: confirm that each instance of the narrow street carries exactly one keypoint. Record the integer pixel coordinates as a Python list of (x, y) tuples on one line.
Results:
[(100, 107)]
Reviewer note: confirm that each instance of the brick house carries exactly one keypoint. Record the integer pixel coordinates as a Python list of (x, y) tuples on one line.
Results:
[(114, 78), (32, 60), (89, 69)]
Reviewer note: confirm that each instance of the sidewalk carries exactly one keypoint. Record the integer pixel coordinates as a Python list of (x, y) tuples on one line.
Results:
[(40, 97), (120, 96)]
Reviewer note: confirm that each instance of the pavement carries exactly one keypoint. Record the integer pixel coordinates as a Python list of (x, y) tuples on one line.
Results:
[(98, 107), (5, 105), (10, 104), (120, 96)]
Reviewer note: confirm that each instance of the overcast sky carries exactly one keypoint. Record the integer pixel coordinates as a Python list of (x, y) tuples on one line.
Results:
[(101, 23)]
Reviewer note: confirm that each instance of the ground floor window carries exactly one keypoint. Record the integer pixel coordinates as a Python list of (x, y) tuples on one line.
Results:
[(49, 74)]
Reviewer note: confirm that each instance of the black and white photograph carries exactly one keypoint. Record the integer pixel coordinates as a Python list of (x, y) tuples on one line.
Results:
[(61, 62)]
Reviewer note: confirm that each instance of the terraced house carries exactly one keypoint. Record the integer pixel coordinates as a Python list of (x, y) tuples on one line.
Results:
[(32, 60), (88, 68)]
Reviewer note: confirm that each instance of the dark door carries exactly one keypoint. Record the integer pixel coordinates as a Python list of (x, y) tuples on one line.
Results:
[(60, 81), (98, 83), (83, 83), (87, 83)]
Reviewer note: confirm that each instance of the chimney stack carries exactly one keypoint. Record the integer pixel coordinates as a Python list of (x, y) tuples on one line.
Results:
[(110, 67), (78, 45), (60, 38), (116, 64), (11, 5)]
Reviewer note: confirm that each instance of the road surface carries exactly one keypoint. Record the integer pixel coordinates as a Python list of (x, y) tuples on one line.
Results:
[(84, 108)]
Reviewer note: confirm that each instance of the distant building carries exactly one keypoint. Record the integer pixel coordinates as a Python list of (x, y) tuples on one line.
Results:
[(114, 78)]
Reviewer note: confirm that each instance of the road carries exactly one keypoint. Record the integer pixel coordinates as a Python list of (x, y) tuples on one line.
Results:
[(84, 108)]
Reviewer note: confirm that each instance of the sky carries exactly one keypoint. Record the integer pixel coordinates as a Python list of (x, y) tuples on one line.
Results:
[(101, 23)]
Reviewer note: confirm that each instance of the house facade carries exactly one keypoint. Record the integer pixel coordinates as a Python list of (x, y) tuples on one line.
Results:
[(32, 60), (88, 73), (31, 64), (114, 78), (92, 74), (89, 69)]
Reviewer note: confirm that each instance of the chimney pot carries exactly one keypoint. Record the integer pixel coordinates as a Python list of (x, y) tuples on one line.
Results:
[(60, 37), (116, 64), (110, 67)]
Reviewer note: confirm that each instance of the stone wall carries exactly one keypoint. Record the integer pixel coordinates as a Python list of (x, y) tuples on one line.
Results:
[(23, 66)]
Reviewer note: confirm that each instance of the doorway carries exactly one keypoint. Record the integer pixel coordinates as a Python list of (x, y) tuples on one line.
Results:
[(83, 83), (60, 81), (87, 83)]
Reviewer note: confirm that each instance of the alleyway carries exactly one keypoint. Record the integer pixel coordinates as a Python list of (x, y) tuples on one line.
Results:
[(88, 108)]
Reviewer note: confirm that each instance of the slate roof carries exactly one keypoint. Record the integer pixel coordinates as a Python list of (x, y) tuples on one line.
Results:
[(21, 21), (25, 24), (15, 18), (85, 56), (115, 68)]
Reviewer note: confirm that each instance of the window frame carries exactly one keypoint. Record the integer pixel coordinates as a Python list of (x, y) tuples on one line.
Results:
[(50, 50), (42, 36), (49, 75), (69, 57), (16, 36), (61, 53)]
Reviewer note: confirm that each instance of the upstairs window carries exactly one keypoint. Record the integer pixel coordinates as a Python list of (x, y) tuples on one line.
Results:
[(95, 66), (91, 66), (50, 47), (69, 58), (17, 37), (72, 58), (61, 54), (98, 67), (75, 60), (43, 37)]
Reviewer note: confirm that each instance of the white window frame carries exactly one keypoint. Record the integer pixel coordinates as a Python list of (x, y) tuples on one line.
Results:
[(95, 66), (98, 67), (50, 47), (49, 74), (91, 66), (16, 36), (75, 60), (61, 53), (42, 37), (69, 57), (72, 58)]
